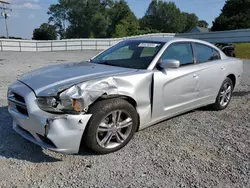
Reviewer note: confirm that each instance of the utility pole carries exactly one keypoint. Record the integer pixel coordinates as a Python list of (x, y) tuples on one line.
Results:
[(5, 15)]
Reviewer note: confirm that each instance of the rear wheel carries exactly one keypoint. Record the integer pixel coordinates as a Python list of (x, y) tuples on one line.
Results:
[(225, 94), (111, 127)]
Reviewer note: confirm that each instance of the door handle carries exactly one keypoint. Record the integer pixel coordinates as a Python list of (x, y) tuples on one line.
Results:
[(223, 68), (195, 75)]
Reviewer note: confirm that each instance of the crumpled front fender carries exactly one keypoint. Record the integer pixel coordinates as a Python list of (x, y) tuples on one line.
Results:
[(137, 86)]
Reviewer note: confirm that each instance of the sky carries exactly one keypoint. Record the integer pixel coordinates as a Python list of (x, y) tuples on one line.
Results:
[(27, 15)]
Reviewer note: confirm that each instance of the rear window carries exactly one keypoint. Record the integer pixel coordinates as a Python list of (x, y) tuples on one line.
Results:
[(205, 53)]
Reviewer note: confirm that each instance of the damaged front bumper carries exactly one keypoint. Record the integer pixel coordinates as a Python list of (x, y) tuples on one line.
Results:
[(61, 133)]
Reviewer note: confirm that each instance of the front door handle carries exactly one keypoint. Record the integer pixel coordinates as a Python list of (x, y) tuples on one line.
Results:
[(196, 76), (223, 68)]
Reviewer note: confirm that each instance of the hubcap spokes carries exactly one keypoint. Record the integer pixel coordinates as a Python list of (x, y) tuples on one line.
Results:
[(114, 129), (225, 94)]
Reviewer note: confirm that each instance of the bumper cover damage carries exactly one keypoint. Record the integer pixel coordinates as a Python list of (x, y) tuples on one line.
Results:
[(63, 132)]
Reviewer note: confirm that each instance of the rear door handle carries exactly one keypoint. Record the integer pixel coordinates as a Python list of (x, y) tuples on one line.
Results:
[(196, 76)]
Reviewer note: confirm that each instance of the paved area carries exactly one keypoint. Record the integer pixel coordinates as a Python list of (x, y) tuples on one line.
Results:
[(202, 148)]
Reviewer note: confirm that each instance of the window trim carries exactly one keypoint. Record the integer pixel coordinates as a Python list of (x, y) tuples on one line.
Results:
[(180, 42), (195, 52)]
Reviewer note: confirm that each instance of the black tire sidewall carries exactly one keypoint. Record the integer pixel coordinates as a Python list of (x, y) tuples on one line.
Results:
[(99, 111)]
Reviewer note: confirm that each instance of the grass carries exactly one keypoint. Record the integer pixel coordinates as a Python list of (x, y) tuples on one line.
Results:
[(243, 50)]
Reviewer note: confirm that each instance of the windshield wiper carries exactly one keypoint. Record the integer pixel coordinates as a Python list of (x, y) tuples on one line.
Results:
[(104, 63)]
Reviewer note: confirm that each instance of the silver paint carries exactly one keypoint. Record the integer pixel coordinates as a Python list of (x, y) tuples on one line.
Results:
[(157, 94)]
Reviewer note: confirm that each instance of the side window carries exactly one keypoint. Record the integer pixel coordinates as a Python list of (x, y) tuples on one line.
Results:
[(205, 53), (180, 51)]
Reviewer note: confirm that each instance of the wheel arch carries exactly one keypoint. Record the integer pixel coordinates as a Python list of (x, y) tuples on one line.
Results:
[(129, 99), (232, 77)]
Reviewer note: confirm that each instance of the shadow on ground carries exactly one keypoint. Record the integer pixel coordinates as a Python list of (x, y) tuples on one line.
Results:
[(241, 93), (14, 146)]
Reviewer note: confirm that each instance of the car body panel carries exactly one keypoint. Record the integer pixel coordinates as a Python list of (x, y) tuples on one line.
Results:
[(58, 77), (65, 130), (158, 94), (179, 85)]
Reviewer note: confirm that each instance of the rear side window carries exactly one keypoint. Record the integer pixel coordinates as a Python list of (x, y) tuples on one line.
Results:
[(205, 53), (180, 51)]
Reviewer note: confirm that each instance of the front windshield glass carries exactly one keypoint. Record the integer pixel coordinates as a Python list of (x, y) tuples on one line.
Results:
[(130, 54)]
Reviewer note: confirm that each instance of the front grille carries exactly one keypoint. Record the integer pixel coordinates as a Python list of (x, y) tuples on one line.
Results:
[(18, 102), (19, 98), (22, 110)]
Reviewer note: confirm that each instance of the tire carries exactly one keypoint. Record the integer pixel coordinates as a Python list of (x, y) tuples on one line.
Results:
[(106, 112), (219, 105)]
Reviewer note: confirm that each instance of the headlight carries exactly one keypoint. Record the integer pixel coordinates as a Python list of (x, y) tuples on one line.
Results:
[(47, 103), (51, 104), (10, 93)]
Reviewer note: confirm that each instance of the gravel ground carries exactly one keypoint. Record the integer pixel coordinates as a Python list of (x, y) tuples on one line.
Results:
[(198, 149)]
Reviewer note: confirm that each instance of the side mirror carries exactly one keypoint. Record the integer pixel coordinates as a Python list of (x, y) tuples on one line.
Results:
[(169, 63)]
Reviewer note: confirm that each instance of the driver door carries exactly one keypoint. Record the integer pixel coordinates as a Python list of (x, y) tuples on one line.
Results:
[(176, 89)]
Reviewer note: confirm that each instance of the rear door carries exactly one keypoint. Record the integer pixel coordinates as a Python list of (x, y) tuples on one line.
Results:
[(211, 72)]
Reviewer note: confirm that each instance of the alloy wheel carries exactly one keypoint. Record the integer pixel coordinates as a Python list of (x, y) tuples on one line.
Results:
[(114, 129), (225, 94)]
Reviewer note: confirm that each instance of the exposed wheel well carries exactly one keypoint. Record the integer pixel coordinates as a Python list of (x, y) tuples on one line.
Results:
[(233, 78), (126, 98)]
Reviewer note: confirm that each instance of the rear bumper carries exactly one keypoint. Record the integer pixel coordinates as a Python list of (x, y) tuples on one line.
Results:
[(60, 133)]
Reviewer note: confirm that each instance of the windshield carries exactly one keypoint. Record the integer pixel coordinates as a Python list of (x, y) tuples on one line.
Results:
[(130, 54)]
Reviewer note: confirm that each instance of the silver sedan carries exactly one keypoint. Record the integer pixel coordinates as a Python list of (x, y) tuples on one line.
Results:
[(130, 86)]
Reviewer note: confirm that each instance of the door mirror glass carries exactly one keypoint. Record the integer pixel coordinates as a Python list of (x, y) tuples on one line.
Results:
[(169, 63)]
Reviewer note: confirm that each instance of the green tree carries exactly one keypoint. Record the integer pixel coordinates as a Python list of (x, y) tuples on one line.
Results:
[(164, 17), (58, 17), (203, 23), (190, 21), (45, 32), (81, 14), (123, 22), (100, 26), (235, 15)]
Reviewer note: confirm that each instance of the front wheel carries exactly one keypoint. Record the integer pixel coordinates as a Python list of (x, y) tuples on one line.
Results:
[(111, 127), (225, 94)]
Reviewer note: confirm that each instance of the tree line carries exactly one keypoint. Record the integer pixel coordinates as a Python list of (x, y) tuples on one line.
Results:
[(114, 18)]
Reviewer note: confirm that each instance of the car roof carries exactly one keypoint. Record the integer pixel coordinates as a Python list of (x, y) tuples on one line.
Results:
[(176, 39), (168, 39)]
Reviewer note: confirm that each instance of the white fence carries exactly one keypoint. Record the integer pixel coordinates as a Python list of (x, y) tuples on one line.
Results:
[(234, 36)]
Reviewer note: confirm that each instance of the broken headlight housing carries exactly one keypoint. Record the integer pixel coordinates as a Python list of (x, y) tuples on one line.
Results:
[(51, 104), (47, 104)]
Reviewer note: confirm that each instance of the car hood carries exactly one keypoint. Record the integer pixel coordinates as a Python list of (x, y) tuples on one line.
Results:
[(48, 81)]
